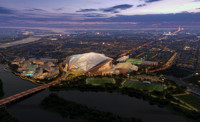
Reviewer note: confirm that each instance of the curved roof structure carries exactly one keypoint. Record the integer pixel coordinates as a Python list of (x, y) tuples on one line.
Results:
[(86, 61)]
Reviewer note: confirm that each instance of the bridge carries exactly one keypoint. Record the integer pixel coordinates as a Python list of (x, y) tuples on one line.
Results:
[(21, 95), (26, 93)]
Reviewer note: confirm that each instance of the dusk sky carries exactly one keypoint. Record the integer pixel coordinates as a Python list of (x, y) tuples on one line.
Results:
[(96, 13)]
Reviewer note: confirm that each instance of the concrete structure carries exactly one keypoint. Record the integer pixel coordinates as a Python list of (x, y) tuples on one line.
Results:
[(124, 68), (123, 58), (37, 68), (152, 63)]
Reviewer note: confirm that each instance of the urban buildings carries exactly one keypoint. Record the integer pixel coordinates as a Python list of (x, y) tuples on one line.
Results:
[(43, 68)]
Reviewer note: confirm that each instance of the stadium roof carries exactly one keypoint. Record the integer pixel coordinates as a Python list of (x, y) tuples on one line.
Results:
[(86, 61)]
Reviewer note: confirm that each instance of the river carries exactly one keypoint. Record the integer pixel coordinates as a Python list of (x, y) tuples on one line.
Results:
[(29, 111), (24, 41)]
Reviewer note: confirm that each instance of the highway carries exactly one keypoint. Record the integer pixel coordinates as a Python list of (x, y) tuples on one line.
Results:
[(167, 65), (128, 51), (191, 88)]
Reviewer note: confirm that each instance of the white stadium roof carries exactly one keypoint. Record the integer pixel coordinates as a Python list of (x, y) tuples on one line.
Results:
[(86, 61)]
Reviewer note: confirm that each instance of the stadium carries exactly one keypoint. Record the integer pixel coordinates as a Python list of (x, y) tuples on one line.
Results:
[(94, 63)]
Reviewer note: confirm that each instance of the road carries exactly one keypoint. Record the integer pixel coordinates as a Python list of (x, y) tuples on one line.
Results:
[(128, 51), (167, 65), (191, 88)]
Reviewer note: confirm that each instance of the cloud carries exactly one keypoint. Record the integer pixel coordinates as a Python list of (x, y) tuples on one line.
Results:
[(141, 5), (151, 1), (6, 11), (115, 9), (35, 9), (87, 10), (96, 21), (94, 15), (58, 9)]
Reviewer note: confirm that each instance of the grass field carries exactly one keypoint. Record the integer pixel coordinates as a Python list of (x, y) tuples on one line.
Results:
[(134, 61), (99, 81), (192, 100), (143, 86)]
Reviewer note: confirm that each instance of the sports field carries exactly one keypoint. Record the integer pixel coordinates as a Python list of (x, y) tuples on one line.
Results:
[(143, 86), (99, 81), (192, 100), (134, 61)]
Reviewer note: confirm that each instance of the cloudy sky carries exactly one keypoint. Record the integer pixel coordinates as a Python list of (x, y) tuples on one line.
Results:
[(99, 13)]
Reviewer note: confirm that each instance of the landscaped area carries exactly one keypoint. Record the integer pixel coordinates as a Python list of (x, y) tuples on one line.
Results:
[(143, 86), (70, 74), (134, 61), (192, 100), (100, 81)]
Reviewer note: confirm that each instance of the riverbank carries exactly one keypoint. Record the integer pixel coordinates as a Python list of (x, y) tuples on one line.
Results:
[(9, 68), (74, 110), (12, 83), (163, 98)]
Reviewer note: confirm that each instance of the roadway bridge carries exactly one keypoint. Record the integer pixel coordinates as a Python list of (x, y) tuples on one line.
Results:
[(19, 96)]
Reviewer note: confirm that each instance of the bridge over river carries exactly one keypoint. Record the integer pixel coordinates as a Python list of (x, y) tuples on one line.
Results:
[(19, 96)]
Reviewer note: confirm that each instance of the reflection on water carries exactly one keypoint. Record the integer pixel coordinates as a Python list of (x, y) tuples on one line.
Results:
[(28, 110)]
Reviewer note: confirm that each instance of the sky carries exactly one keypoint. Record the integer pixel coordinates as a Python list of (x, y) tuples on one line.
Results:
[(100, 13)]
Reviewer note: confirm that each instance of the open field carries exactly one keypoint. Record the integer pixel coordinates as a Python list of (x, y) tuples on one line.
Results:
[(143, 86), (191, 100), (134, 61), (99, 81)]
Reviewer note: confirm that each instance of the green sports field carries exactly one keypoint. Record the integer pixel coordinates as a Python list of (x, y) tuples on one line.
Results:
[(143, 86), (134, 61), (99, 81), (192, 100)]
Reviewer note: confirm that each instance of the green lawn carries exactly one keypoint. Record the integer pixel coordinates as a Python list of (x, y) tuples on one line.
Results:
[(99, 81), (143, 86), (134, 61), (192, 100)]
